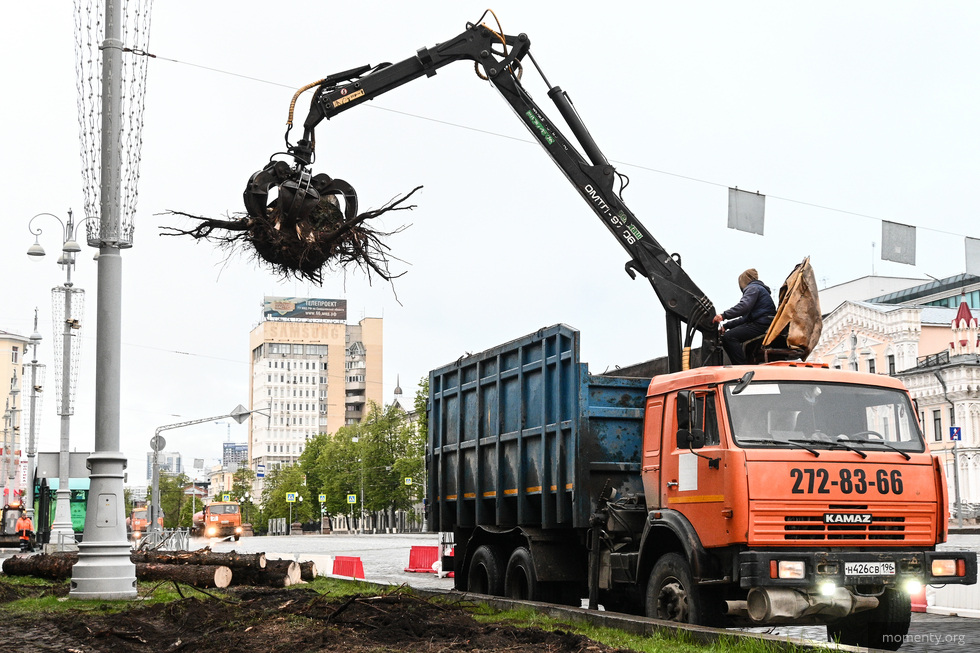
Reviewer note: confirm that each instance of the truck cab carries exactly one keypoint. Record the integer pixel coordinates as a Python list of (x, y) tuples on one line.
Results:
[(219, 519)]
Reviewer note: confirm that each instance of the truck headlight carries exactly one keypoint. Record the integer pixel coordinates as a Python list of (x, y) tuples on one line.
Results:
[(238, 529), (913, 587), (949, 567), (212, 531), (790, 569)]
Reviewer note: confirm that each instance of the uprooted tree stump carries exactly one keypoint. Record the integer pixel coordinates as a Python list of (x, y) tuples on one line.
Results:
[(303, 248)]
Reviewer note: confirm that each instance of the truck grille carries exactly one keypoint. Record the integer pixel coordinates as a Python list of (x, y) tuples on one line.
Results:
[(813, 528), (773, 523)]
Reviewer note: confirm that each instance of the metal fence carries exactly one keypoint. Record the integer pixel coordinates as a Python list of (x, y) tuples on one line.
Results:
[(176, 539)]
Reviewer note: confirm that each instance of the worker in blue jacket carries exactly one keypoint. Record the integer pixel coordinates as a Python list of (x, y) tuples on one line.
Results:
[(747, 319)]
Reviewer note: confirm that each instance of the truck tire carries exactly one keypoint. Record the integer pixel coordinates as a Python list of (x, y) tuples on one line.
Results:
[(671, 592), (520, 581), (486, 573), (884, 627)]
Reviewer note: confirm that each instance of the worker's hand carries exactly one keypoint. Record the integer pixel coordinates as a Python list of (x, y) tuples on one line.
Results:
[(721, 328), (717, 319)]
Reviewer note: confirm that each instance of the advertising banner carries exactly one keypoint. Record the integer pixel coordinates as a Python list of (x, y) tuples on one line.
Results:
[(305, 308)]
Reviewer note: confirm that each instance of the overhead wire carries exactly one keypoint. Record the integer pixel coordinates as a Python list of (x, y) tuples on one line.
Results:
[(488, 132)]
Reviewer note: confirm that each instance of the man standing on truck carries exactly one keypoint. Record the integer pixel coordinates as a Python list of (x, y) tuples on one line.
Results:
[(747, 319)]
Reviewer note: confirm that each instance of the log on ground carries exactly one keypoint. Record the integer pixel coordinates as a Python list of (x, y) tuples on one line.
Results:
[(203, 576), (277, 573), (202, 557), (54, 566), (307, 570)]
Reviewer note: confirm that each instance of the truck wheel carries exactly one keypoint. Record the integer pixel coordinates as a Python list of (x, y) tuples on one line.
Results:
[(884, 627), (519, 581), (671, 592), (486, 574)]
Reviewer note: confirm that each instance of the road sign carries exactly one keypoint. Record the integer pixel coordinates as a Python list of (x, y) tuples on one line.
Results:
[(955, 433), (351, 498), (260, 471), (290, 497), (323, 497), (408, 480), (158, 442), (226, 497)]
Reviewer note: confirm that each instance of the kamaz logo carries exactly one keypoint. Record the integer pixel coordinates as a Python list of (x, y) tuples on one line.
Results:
[(846, 518)]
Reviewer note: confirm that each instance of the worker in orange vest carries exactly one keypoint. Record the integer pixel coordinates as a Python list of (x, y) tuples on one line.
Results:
[(25, 528)]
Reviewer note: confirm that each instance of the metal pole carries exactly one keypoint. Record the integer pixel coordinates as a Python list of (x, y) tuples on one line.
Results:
[(31, 442), (62, 530), (104, 569), (6, 452)]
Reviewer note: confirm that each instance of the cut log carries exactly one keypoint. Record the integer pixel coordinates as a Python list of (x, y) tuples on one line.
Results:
[(277, 573), (307, 570), (203, 576), (55, 566), (202, 557)]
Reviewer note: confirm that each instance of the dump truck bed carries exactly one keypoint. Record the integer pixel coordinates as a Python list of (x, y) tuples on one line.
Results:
[(523, 435)]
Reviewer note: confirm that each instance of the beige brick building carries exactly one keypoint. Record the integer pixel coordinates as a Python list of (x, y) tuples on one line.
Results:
[(309, 376)]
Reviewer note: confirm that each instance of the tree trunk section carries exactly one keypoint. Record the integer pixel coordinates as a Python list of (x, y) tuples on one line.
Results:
[(202, 557), (277, 573), (203, 576), (307, 570), (55, 566)]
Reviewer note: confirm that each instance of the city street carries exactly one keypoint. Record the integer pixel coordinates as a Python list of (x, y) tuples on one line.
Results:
[(385, 556)]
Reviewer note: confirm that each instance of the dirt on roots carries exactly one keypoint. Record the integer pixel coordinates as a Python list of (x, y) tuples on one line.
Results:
[(273, 620)]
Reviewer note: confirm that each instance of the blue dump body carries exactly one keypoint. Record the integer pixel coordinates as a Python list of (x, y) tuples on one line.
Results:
[(523, 435)]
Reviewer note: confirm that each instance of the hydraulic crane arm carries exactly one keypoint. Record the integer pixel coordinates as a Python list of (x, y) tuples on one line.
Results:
[(501, 58)]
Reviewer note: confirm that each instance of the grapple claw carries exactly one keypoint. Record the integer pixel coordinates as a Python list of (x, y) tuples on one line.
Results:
[(299, 194)]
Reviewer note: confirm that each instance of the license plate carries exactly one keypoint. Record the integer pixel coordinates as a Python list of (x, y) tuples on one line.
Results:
[(869, 568)]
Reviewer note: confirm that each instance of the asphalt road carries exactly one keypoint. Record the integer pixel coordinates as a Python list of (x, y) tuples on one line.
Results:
[(384, 558)]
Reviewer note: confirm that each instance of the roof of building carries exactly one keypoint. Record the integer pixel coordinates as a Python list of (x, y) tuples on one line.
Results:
[(940, 315), (934, 287), (963, 314)]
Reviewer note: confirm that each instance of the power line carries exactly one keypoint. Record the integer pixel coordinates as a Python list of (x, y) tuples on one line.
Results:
[(488, 132)]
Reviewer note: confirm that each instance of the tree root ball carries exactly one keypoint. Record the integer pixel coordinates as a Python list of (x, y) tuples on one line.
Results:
[(304, 249)]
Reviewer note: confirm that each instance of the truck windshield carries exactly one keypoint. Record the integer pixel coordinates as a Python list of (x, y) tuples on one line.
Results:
[(823, 416), (224, 510)]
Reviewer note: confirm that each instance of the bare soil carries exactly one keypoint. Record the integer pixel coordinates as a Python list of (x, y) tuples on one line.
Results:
[(272, 620)]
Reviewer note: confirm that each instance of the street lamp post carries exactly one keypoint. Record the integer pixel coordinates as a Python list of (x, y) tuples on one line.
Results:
[(67, 304), (9, 429), (37, 380)]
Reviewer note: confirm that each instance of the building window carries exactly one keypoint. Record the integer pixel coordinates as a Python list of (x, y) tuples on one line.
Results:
[(937, 425), (14, 351), (854, 366), (891, 363), (871, 366)]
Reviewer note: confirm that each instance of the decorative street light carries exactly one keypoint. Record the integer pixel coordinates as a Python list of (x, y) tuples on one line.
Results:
[(9, 431), (67, 305), (37, 381)]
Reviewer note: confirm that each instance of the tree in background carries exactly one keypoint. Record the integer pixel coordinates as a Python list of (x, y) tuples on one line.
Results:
[(241, 490), (175, 504), (278, 482)]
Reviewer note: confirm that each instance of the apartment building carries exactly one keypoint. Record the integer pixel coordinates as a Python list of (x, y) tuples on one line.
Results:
[(310, 373)]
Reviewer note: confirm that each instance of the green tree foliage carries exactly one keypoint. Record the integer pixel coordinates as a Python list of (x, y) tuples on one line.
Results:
[(279, 482), (175, 504), (241, 491), (371, 460)]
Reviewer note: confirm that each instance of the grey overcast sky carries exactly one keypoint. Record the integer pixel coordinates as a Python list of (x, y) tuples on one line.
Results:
[(843, 113)]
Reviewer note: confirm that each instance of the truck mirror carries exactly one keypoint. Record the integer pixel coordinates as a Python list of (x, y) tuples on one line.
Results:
[(690, 439), (683, 410)]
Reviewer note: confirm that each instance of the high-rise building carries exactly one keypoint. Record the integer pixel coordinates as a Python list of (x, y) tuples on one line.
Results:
[(234, 454), (170, 463), (311, 373)]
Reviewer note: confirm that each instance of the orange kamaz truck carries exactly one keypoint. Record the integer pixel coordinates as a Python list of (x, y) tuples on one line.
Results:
[(219, 519), (782, 493), (764, 494)]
